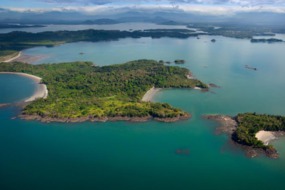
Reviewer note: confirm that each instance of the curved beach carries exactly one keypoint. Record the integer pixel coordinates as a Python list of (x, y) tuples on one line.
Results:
[(148, 96), (265, 136), (41, 89)]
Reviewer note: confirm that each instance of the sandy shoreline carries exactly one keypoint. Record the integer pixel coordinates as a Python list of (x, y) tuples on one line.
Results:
[(21, 57), (150, 94), (265, 136), (29, 58), (13, 58), (41, 89)]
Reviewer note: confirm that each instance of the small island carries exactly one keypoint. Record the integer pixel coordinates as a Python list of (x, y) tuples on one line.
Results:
[(262, 40), (81, 91), (254, 131), (179, 61)]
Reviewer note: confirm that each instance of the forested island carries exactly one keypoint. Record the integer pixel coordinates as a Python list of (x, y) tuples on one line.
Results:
[(244, 127), (81, 91), (262, 40), (18, 41)]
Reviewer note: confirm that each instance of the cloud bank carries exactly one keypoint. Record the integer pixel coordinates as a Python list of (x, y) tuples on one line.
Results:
[(209, 7), (204, 2)]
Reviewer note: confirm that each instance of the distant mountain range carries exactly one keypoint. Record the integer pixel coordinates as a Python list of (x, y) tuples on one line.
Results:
[(172, 17)]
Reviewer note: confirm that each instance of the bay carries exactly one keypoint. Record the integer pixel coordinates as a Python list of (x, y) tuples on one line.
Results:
[(15, 88), (123, 155)]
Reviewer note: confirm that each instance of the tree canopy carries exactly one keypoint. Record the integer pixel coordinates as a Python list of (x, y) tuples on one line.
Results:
[(80, 89)]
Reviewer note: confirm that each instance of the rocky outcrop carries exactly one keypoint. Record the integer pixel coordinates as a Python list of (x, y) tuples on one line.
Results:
[(227, 124)]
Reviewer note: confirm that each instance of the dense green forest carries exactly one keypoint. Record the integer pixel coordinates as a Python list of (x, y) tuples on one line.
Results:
[(250, 123), (81, 89)]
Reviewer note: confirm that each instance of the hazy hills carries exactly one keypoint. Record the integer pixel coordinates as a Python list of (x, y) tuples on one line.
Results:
[(137, 15)]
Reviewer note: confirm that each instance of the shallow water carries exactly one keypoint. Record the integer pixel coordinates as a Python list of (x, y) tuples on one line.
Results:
[(15, 88), (123, 155)]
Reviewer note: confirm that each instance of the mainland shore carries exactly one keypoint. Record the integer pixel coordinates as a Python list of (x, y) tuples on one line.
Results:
[(41, 89)]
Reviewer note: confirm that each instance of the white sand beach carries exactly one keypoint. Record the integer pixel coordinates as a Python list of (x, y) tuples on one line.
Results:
[(150, 94), (265, 136), (13, 58), (41, 90)]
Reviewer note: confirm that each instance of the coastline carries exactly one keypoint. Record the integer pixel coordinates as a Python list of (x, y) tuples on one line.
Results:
[(41, 89), (148, 96), (103, 119), (13, 58)]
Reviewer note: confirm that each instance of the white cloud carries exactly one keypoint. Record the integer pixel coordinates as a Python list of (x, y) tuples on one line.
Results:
[(208, 7), (204, 2)]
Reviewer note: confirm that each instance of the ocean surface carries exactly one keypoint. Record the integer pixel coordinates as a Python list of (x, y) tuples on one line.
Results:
[(125, 155)]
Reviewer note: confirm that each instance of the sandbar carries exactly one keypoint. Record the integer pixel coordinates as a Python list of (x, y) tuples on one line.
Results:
[(41, 89), (265, 136), (150, 94), (30, 58), (13, 58)]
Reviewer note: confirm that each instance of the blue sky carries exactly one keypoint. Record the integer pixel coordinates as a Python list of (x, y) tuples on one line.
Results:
[(207, 6)]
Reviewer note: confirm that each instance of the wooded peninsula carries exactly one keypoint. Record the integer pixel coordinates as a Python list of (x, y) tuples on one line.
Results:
[(81, 91)]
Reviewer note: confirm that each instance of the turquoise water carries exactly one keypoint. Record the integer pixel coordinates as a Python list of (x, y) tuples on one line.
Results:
[(123, 155), (15, 88)]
